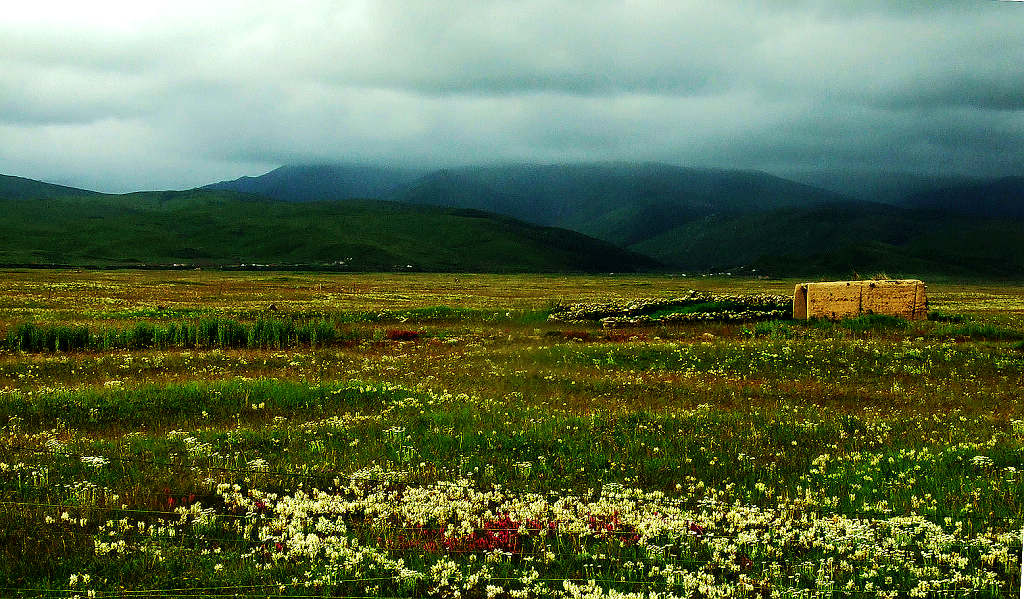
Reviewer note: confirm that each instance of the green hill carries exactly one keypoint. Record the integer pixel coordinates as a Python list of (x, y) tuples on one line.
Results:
[(843, 240), (227, 228)]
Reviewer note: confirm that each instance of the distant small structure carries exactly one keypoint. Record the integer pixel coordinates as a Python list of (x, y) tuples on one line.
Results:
[(841, 299)]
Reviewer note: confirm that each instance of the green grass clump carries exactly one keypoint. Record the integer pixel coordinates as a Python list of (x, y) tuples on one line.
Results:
[(775, 329)]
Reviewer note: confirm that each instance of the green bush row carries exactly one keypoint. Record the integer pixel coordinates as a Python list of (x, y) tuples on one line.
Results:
[(206, 333)]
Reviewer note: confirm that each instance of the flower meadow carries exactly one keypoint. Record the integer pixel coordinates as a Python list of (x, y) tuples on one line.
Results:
[(486, 436)]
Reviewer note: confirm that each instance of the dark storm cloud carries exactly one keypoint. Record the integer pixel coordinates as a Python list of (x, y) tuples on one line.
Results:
[(122, 95)]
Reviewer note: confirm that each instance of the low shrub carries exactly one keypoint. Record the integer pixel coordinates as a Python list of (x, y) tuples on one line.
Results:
[(937, 316), (401, 335)]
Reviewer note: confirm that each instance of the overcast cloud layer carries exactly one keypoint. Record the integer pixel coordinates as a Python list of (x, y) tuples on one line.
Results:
[(120, 96)]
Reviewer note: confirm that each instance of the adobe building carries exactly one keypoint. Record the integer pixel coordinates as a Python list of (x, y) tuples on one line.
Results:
[(841, 299)]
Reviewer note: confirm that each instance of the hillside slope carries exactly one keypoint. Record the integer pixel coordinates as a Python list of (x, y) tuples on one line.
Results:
[(844, 240), (993, 199), (227, 228), (20, 188)]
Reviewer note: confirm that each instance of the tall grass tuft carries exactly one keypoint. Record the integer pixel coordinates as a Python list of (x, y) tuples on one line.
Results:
[(207, 333), (30, 337)]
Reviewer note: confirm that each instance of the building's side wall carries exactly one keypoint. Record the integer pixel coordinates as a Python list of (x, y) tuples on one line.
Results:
[(800, 302), (895, 298), (833, 300), (842, 299)]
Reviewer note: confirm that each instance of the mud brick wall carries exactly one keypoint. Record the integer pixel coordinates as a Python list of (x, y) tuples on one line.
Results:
[(841, 299)]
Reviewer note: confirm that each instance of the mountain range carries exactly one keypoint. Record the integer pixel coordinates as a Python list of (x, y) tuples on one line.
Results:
[(517, 217), (718, 219)]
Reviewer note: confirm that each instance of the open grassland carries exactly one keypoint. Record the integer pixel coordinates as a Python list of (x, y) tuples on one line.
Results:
[(172, 434)]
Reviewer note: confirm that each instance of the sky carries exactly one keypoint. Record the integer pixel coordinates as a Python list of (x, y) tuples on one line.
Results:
[(121, 96)]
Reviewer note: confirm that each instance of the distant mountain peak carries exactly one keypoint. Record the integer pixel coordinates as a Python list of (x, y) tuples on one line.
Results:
[(323, 182)]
